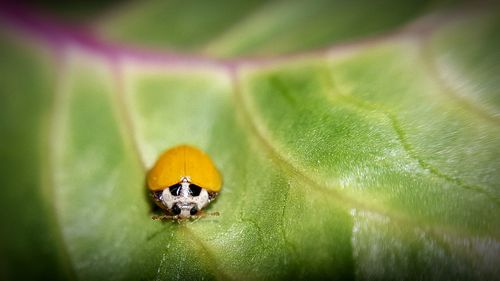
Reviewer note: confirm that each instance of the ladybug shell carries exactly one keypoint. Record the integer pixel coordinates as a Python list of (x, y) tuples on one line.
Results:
[(184, 161)]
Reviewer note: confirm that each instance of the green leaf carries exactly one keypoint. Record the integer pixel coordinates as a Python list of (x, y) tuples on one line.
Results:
[(29, 233), (228, 28), (375, 159)]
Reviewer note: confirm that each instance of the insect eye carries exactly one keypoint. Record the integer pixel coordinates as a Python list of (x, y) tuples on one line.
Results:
[(193, 211), (194, 190), (176, 210), (175, 189)]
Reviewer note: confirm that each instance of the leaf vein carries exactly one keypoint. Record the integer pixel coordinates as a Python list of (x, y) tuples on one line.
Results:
[(293, 170), (410, 150)]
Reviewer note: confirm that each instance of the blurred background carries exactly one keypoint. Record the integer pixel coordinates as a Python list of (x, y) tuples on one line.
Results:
[(356, 139)]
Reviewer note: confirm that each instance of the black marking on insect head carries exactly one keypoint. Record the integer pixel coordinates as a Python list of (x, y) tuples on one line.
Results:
[(194, 190), (175, 189)]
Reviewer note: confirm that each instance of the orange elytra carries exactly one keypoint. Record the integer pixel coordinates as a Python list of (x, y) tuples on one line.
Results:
[(183, 181), (184, 161)]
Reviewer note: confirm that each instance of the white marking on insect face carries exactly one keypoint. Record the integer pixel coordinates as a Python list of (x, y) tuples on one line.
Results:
[(181, 197)]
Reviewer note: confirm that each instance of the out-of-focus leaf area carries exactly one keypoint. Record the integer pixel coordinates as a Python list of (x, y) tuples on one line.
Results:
[(357, 140)]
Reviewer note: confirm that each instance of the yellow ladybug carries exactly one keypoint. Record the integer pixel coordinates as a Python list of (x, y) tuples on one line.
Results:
[(183, 181)]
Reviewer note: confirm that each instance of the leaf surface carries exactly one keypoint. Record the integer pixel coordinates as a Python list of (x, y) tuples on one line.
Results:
[(375, 159)]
